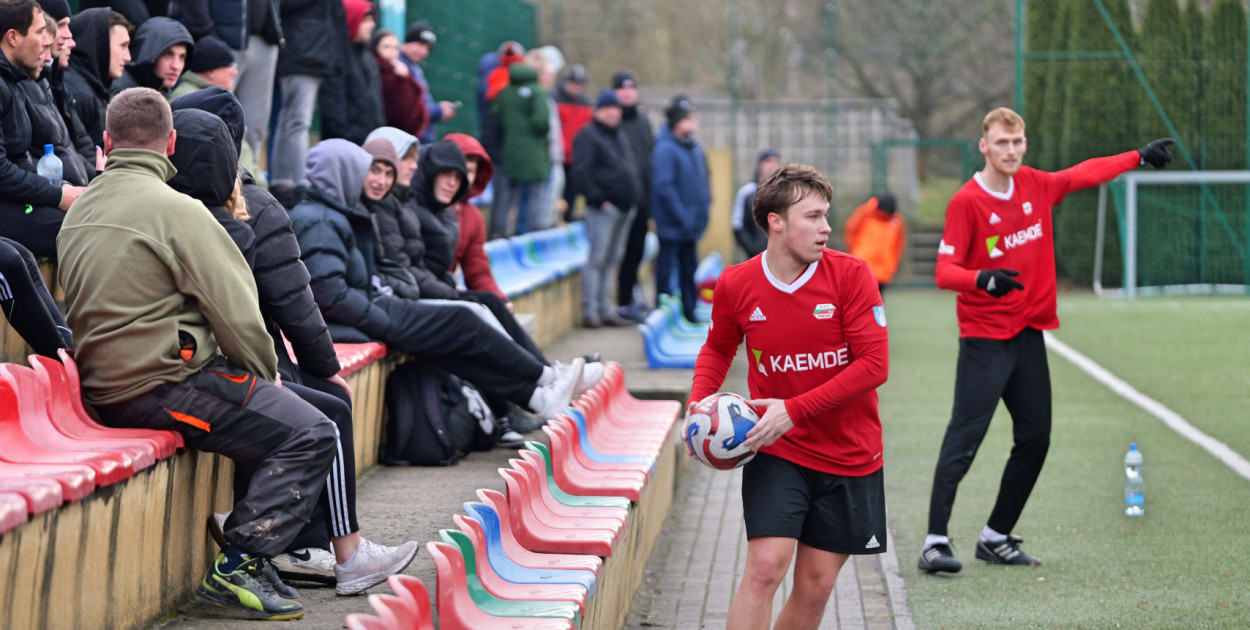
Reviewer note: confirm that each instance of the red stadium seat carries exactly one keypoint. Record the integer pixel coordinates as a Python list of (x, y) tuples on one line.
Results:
[(40, 493), (412, 590), (75, 480), (353, 357), (17, 447), (524, 556), (574, 477), (552, 534), (393, 611), (12, 511), (534, 479), (361, 621), (456, 609), (168, 442), (568, 430), (477, 565)]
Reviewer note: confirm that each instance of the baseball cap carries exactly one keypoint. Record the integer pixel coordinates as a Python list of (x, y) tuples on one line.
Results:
[(421, 31)]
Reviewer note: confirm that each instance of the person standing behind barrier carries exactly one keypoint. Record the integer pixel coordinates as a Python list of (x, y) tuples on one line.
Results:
[(553, 187), (351, 99), (403, 97), (575, 109), (521, 109), (418, 41), (606, 174), (877, 233), (750, 237), (303, 63), (637, 129), (680, 197), (158, 292)]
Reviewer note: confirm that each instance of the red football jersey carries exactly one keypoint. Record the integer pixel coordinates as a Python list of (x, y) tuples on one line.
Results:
[(819, 343), (1012, 230)]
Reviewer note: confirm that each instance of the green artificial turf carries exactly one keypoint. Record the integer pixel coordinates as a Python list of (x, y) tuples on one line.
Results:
[(1179, 566)]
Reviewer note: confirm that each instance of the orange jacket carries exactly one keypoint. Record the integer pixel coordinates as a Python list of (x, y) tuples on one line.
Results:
[(877, 237)]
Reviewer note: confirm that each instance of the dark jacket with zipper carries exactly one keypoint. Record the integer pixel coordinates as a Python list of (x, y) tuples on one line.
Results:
[(604, 168), (18, 181), (87, 77), (47, 126), (308, 27), (440, 227), (150, 41), (231, 20)]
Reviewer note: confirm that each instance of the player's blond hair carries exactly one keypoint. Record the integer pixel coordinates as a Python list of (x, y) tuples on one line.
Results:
[(786, 186), (1008, 118)]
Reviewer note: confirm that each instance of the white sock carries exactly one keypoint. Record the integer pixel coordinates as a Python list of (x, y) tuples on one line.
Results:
[(991, 536), (538, 399), (935, 539), (548, 377)]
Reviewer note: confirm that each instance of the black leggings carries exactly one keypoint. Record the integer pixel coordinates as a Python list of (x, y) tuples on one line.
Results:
[(27, 304), (500, 310), (635, 244), (1016, 371)]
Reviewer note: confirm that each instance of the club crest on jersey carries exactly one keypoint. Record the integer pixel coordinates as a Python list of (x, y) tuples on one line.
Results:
[(1028, 207), (878, 313), (824, 311), (994, 220), (991, 246), (757, 315)]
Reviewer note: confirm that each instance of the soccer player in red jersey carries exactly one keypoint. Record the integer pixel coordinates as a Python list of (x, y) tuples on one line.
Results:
[(816, 337), (998, 253)]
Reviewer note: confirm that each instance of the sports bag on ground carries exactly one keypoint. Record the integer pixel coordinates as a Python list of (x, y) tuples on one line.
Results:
[(433, 418)]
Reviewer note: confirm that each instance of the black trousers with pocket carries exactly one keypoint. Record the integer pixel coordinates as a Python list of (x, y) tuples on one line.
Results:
[(286, 442), (26, 302), (1016, 371)]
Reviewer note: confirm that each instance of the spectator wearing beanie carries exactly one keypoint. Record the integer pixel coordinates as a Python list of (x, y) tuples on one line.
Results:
[(418, 41), (680, 196), (213, 65), (606, 174), (637, 129)]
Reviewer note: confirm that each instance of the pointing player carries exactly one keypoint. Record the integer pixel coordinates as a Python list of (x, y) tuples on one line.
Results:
[(998, 253), (815, 331)]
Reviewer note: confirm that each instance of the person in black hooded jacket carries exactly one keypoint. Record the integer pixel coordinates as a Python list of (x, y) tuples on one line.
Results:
[(102, 50), (206, 157), (161, 51), (47, 126), (351, 98)]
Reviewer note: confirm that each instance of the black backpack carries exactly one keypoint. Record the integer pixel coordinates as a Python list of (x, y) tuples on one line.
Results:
[(434, 418)]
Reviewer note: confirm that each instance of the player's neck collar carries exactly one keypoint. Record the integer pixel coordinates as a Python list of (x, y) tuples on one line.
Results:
[(793, 286), (1005, 196)]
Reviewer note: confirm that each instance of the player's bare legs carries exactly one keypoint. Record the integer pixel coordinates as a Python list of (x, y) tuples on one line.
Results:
[(768, 559), (815, 572)]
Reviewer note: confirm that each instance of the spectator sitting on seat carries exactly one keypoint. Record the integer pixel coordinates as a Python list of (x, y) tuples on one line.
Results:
[(418, 41), (26, 303), (54, 76), (213, 65), (158, 293), (749, 236), (335, 231), (351, 98), (160, 52), (470, 253), (46, 124), (403, 96), (206, 158), (102, 50), (31, 207)]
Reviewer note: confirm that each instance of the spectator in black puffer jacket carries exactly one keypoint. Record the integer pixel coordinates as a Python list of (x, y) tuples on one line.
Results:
[(47, 126), (395, 228), (351, 99), (206, 157)]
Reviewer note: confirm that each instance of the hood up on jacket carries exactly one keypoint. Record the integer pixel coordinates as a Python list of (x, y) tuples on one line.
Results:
[(204, 156), (90, 55), (221, 104), (356, 11), (150, 41), (401, 140), (337, 169), (471, 148), (441, 155)]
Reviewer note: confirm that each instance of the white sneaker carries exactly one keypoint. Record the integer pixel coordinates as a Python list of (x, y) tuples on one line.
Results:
[(548, 400), (592, 373), (510, 439), (310, 564), (371, 565)]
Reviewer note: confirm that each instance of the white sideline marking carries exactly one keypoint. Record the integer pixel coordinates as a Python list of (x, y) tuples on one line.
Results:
[(1220, 450)]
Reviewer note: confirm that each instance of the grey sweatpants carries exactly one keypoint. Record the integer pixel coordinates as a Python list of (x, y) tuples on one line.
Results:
[(606, 229), (286, 442)]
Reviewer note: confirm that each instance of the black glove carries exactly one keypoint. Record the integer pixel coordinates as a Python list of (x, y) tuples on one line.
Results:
[(1156, 153), (998, 282)]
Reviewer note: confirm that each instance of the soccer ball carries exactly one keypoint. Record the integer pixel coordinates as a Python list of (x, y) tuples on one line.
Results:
[(715, 429)]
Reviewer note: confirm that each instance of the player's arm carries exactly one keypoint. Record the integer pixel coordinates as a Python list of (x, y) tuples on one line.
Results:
[(717, 354), (1100, 170), (954, 272), (869, 367)]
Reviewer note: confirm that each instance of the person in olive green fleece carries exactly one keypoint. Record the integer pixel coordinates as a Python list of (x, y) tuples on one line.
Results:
[(524, 119), (156, 293)]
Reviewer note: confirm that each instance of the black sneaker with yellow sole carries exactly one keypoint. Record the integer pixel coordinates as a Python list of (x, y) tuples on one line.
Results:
[(249, 589)]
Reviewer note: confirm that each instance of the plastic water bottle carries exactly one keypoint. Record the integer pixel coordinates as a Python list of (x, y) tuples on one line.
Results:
[(49, 166), (1134, 488)]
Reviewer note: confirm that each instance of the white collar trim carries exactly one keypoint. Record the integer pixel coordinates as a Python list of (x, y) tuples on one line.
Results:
[(1011, 188), (792, 287)]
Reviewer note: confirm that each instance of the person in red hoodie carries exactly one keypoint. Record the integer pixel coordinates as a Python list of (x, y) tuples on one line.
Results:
[(470, 253)]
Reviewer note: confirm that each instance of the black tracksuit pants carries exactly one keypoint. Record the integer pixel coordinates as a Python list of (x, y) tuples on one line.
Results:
[(635, 243), (1016, 371), (683, 255), (26, 301), (35, 227)]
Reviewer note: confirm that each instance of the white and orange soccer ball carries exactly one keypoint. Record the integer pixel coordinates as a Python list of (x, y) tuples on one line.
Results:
[(715, 429)]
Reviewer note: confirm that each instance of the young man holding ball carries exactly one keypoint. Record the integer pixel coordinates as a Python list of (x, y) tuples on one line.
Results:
[(816, 337)]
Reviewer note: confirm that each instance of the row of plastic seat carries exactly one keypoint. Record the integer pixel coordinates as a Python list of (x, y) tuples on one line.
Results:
[(526, 262), (669, 339), (53, 451), (532, 558)]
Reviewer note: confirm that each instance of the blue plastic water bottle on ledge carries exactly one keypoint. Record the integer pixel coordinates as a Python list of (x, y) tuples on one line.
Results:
[(1134, 487)]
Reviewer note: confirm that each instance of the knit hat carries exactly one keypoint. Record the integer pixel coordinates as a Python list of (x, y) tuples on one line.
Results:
[(58, 9), (577, 74), (511, 52), (623, 78), (678, 110), (211, 53), (383, 151), (886, 203), (421, 31), (768, 154), (607, 98)]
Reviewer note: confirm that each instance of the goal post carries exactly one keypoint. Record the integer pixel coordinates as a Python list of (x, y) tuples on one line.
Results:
[(1180, 232)]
